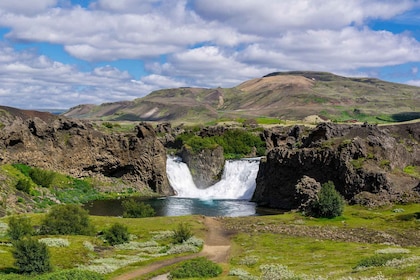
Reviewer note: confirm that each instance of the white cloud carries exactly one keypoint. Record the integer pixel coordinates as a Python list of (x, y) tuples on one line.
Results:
[(274, 17), (27, 7), (330, 50), (124, 5), (33, 81), (414, 83), (209, 66)]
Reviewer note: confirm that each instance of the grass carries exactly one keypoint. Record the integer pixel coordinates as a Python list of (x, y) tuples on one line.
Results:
[(323, 257), (310, 256), (412, 170), (79, 250), (62, 188), (255, 250)]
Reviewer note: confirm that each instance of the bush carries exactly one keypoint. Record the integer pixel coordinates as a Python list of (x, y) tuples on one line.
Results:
[(134, 209), (182, 233), (198, 267), (236, 143), (31, 256), (329, 204), (19, 227), (23, 185), (117, 234), (23, 168), (377, 260), (43, 178), (67, 219)]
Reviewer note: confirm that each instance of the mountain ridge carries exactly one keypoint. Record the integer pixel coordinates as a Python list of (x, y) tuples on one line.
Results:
[(282, 95)]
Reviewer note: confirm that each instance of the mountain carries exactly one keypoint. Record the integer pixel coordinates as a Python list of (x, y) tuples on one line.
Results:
[(281, 95)]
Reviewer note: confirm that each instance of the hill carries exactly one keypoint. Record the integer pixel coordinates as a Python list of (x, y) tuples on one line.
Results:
[(281, 95)]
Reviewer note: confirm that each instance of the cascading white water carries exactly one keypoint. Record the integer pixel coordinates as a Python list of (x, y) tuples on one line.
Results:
[(238, 180)]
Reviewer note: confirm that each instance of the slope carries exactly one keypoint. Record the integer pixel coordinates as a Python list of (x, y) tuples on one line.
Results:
[(284, 95)]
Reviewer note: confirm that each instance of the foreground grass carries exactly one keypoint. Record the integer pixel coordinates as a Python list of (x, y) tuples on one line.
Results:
[(326, 248), (361, 244)]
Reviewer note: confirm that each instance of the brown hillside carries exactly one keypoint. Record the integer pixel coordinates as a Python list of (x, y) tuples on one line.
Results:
[(284, 95)]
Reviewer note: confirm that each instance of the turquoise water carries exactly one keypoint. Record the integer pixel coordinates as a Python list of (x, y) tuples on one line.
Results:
[(175, 206)]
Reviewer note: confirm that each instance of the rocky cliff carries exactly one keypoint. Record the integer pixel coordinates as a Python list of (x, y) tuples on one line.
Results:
[(365, 162), (206, 167), (76, 148)]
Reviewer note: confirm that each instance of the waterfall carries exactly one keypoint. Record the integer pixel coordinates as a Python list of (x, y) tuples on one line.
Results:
[(237, 182)]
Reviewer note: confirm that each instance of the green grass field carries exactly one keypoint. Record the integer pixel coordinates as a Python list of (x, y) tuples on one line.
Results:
[(292, 244)]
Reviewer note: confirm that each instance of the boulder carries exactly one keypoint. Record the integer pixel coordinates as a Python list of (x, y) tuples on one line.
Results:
[(306, 191)]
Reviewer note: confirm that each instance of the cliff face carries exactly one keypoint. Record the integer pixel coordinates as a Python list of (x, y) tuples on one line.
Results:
[(365, 163), (206, 167), (76, 148)]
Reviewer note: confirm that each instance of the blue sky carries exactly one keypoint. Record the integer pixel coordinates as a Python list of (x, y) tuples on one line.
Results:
[(61, 53)]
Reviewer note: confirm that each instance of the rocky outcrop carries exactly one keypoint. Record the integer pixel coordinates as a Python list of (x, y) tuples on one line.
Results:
[(76, 148), (206, 166), (358, 159)]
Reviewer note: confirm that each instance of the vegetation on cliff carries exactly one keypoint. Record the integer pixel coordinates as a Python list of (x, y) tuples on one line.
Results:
[(236, 143)]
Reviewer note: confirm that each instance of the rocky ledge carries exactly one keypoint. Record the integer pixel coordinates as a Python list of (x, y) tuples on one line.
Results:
[(365, 162), (75, 148)]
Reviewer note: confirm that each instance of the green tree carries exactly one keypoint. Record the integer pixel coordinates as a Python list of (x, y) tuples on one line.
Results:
[(19, 227), (67, 219), (134, 209), (31, 256), (117, 234), (329, 204)]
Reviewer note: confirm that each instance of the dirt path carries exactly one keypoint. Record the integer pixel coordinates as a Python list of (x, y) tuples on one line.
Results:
[(216, 248)]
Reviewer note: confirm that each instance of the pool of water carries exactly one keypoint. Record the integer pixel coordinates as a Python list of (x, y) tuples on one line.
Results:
[(175, 206)]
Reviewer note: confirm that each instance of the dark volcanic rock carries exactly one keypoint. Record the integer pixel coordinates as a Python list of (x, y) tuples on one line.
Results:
[(206, 166), (356, 158), (307, 190), (75, 148)]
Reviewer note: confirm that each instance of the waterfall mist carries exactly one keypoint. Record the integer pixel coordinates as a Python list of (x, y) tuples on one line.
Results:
[(237, 182)]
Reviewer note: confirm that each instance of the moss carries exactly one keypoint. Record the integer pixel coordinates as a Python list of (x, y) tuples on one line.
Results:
[(358, 163), (385, 163), (412, 170)]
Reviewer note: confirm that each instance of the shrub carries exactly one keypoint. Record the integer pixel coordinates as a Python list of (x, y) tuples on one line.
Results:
[(23, 185), (329, 204), (108, 124), (377, 260), (23, 168), (276, 272), (31, 256), (134, 209), (182, 233), (117, 234), (67, 219), (55, 242), (198, 267), (19, 227), (43, 178)]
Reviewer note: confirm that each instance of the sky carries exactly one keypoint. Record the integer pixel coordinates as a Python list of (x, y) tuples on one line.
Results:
[(62, 53)]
